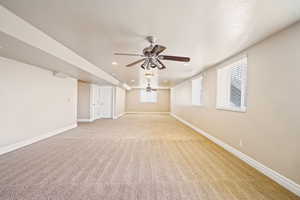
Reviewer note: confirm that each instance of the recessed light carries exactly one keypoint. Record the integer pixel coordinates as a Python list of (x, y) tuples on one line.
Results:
[(132, 80), (114, 63), (127, 87)]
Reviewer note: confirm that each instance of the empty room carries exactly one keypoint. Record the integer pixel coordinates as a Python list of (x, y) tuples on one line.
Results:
[(149, 100)]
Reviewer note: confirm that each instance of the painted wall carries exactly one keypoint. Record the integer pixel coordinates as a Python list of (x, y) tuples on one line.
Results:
[(83, 107), (120, 101), (33, 102), (270, 129), (133, 103)]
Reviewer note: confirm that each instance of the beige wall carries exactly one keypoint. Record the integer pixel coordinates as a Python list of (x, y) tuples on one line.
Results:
[(83, 107), (120, 101), (270, 129), (33, 102), (133, 103)]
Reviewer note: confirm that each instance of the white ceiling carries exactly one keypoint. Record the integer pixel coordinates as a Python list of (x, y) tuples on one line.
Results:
[(208, 31)]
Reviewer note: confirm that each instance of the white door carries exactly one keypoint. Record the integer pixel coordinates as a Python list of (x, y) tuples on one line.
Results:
[(106, 102), (95, 102)]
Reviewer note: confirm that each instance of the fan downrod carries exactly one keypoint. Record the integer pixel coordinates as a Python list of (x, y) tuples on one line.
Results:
[(151, 39)]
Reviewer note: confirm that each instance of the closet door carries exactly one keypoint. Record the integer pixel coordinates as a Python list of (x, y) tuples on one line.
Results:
[(95, 102), (106, 102)]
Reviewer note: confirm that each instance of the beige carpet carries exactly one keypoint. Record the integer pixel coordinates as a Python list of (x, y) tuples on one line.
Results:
[(149, 157)]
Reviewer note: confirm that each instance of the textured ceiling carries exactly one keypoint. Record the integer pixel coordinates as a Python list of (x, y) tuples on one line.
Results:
[(206, 30)]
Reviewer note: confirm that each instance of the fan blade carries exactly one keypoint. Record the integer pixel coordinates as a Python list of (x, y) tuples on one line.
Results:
[(162, 65), (157, 49), (175, 58), (127, 54), (136, 62)]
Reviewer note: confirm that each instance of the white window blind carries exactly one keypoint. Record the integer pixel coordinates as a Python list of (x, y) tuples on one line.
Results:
[(148, 97), (232, 86), (197, 91)]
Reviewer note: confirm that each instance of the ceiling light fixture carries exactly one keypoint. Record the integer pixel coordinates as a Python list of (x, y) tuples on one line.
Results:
[(132, 80), (114, 63), (127, 87), (149, 75)]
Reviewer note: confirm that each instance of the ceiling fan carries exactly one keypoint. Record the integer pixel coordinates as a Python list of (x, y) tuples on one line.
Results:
[(151, 57), (149, 88)]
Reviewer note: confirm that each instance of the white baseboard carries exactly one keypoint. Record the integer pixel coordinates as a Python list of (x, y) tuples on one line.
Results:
[(147, 112), (280, 179), (85, 120), (120, 115), (24, 143)]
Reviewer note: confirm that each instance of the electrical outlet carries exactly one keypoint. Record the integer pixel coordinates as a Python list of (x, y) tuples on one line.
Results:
[(241, 142)]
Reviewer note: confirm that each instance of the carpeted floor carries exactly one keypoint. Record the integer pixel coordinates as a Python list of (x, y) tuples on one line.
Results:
[(145, 157)]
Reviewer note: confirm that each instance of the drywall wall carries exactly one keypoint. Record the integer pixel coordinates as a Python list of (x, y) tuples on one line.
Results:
[(120, 99), (33, 102), (83, 108), (269, 130), (133, 103)]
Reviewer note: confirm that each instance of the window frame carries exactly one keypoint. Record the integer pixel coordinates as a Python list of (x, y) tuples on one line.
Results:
[(142, 100), (199, 78), (225, 89)]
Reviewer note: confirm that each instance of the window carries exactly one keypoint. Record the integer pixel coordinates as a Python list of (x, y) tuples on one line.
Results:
[(231, 93), (197, 91), (148, 97)]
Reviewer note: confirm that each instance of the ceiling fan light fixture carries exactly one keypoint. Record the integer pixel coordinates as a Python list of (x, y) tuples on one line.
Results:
[(161, 67), (152, 56), (153, 65), (144, 65)]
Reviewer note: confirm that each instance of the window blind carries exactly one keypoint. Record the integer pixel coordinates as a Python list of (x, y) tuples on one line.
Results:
[(231, 92)]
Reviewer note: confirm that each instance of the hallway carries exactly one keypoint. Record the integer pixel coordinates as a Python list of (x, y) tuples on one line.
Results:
[(148, 157)]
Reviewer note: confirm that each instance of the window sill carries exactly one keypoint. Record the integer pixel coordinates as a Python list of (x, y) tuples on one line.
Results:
[(234, 109)]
